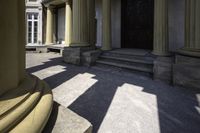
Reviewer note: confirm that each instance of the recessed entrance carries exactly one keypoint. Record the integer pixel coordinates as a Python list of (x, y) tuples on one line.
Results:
[(137, 24)]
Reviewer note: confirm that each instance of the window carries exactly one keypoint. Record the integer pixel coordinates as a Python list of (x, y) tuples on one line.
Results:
[(32, 28)]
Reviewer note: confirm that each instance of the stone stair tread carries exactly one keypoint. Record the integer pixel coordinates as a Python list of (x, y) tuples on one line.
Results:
[(121, 65), (132, 59), (137, 52)]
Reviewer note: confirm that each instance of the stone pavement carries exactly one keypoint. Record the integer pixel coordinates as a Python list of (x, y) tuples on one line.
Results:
[(118, 101)]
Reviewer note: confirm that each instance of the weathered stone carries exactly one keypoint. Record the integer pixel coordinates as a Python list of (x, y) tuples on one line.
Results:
[(63, 120), (186, 75), (186, 71), (163, 69), (41, 49), (89, 58), (72, 55), (180, 59)]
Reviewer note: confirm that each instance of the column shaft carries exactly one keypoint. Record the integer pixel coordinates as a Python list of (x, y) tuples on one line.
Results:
[(49, 26), (80, 36), (192, 27), (12, 36), (106, 13), (161, 28), (68, 23), (92, 22)]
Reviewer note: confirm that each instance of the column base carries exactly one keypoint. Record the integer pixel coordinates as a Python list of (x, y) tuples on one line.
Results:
[(79, 45), (27, 108), (161, 53), (73, 55), (189, 52), (186, 71), (106, 48), (162, 69)]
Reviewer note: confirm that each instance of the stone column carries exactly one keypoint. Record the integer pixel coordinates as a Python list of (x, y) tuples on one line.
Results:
[(25, 100), (106, 14), (49, 26), (192, 28), (68, 23), (92, 22), (80, 35), (161, 28), (12, 36)]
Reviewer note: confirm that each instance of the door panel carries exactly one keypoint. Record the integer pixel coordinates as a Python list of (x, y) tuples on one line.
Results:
[(137, 23)]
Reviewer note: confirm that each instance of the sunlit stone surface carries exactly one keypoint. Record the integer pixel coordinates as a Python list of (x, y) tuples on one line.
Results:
[(117, 101)]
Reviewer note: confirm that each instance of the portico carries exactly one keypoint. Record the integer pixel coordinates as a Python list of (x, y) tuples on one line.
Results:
[(170, 27), (79, 30)]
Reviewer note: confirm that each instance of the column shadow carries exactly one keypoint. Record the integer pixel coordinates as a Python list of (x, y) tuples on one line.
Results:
[(177, 107)]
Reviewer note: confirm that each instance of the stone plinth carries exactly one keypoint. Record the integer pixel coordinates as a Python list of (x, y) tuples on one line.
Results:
[(41, 49), (89, 58), (186, 71), (163, 69), (73, 55)]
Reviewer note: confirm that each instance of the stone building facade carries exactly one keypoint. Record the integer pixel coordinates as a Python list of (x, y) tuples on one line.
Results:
[(168, 28), (34, 19)]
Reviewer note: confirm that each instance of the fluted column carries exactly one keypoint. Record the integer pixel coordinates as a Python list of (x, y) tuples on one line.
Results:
[(49, 26), (12, 51), (106, 13), (80, 35), (192, 28), (25, 101), (161, 41), (92, 22), (68, 22)]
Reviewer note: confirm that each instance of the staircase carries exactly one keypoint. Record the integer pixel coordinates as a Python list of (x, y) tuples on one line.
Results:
[(135, 60)]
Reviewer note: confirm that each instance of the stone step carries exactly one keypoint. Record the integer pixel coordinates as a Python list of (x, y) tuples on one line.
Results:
[(133, 52), (115, 69), (126, 65), (147, 56), (128, 59)]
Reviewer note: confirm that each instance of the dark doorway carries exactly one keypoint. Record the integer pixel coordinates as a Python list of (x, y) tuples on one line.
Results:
[(137, 24)]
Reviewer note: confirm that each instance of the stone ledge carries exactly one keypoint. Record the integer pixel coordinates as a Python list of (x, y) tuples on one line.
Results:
[(63, 120)]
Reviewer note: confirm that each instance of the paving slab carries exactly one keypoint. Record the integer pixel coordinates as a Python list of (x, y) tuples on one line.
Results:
[(116, 101)]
